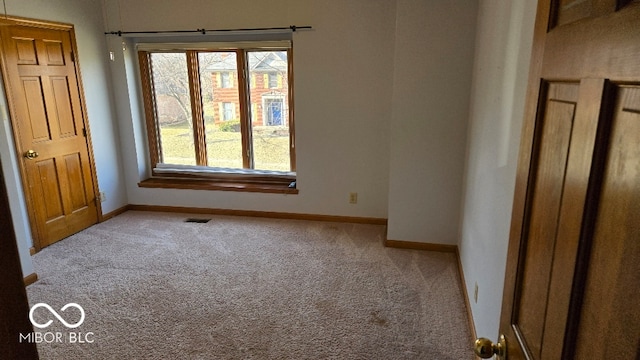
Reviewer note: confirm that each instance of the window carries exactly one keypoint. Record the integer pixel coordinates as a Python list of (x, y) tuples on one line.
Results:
[(225, 80), (203, 127), (273, 80), (228, 111)]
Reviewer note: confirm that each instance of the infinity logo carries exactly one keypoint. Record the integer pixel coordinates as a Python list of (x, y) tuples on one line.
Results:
[(46, 306)]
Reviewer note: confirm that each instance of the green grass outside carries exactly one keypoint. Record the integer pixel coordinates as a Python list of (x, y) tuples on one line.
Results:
[(224, 149)]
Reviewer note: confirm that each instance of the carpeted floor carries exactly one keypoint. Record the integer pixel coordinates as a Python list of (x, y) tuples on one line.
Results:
[(155, 287)]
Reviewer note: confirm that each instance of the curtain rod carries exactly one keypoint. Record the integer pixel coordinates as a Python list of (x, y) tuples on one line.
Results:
[(204, 31)]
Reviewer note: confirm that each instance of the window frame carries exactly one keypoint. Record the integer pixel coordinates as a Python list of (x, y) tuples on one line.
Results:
[(246, 179)]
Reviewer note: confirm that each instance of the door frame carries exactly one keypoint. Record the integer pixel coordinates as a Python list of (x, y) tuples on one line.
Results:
[(36, 232)]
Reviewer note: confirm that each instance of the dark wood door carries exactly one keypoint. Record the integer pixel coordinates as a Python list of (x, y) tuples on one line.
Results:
[(51, 135), (573, 270), (14, 307)]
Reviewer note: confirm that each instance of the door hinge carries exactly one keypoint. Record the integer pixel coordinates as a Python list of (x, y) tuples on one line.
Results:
[(73, 57), (84, 132)]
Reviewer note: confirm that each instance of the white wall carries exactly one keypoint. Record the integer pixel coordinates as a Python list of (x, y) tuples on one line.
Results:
[(433, 63), (89, 26), (382, 91), (503, 48), (360, 85), (343, 85), (345, 95)]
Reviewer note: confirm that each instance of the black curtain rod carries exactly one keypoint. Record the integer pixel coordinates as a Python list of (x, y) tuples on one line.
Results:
[(204, 31)]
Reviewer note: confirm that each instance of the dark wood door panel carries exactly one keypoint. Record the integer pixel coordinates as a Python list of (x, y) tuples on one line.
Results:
[(554, 139), (610, 323), (603, 47), (595, 98), (572, 279)]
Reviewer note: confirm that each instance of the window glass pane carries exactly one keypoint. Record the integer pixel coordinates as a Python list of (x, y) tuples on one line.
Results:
[(229, 111), (221, 104), (173, 106), (269, 109), (225, 80)]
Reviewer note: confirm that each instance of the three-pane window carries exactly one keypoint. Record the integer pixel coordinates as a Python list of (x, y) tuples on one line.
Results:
[(217, 108)]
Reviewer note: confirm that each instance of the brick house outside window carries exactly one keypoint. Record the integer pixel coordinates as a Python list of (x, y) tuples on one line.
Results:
[(268, 85)]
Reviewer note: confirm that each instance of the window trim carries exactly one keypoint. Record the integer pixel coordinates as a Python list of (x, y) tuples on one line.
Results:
[(210, 175)]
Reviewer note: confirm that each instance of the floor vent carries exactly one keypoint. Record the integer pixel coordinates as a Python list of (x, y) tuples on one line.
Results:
[(199, 221)]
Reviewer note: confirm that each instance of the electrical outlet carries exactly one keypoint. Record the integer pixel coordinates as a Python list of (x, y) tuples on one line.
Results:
[(103, 196), (475, 294), (353, 198)]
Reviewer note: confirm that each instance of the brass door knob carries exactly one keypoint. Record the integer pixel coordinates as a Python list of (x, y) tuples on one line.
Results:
[(31, 154), (485, 348)]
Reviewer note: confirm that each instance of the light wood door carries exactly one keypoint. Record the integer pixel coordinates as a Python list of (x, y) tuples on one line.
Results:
[(572, 284), (45, 103)]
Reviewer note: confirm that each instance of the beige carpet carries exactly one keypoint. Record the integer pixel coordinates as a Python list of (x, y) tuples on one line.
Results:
[(155, 287)]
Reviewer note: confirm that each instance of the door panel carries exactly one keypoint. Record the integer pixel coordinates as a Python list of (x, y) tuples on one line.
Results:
[(50, 185), (572, 280), (564, 144), (26, 51), (610, 326), (593, 106), (74, 176), (62, 106), (35, 110), (569, 11), (54, 51), (44, 93), (555, 136)]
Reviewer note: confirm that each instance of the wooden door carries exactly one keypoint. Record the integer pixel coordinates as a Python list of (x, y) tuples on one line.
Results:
[(42, 82), (572, 284)]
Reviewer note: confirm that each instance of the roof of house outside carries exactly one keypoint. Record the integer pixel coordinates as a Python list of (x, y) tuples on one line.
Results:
[(260, 61)]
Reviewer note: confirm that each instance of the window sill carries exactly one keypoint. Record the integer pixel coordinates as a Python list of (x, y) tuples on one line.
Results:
[(221, 185), (224, 179)]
